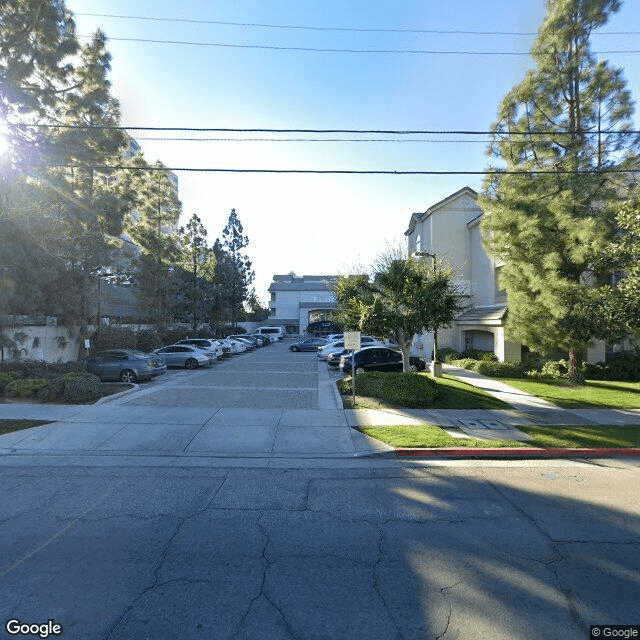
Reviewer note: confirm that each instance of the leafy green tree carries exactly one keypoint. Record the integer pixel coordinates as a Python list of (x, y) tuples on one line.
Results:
[(562, 137), (198, 265), (153, 210), (402, 296)]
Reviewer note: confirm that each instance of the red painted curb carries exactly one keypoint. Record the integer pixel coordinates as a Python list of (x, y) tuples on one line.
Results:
[(516, 452)]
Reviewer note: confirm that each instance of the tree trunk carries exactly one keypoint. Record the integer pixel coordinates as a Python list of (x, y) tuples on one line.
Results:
[(576, 376)]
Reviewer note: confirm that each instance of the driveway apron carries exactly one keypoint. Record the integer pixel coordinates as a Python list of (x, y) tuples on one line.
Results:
[(269, 402)]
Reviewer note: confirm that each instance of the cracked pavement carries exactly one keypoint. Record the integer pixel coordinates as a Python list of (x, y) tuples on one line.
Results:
[(517, 550)]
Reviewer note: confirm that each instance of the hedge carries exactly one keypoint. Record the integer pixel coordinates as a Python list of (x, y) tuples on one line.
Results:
[(403, 389)]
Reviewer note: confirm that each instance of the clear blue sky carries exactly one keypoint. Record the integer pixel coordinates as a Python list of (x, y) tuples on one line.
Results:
[(323, 224)]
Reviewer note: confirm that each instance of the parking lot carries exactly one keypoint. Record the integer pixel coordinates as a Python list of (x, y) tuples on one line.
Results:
[(271, 377)]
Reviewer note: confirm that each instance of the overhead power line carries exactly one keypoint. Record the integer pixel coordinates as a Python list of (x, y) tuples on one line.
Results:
[(338, 50), (318, 28), (398, 132), (157, 167)]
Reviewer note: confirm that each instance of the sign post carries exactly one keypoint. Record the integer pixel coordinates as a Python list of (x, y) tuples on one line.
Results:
[(352, 342)]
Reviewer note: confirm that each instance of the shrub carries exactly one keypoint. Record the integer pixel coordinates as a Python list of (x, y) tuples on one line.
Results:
[(81, 389), (44, 370), (53, 390), (492, 368), (500, 369), (624, 365), (147, 340), (113, 337), (5, 379), (448, 354), (555, 369), (479, 354), (403, 389), (24, 388)]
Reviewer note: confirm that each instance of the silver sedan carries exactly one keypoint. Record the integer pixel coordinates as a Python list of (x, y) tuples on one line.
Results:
[(183, 355)]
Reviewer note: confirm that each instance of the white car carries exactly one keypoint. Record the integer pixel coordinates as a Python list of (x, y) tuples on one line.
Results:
[(236, 346), (206, 344), (332, 347)]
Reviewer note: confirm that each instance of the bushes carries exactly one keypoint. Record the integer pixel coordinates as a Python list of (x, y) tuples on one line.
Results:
[(492, 368), (403, 389), (81, 389), (72, 388), (619, 366), (26, 388)]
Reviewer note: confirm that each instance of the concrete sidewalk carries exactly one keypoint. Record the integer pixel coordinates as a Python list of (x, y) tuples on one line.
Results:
[(125, 425)]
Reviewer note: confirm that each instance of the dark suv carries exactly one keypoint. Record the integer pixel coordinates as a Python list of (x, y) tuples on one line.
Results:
[(378, 359)]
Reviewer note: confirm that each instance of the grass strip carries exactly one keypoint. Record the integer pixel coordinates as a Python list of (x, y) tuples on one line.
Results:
[(601, 394), (8, 426), (573, 437), (585, 436), (430, 437)]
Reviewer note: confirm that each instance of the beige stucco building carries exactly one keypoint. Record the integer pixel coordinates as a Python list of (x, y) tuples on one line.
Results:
[(450, 230)]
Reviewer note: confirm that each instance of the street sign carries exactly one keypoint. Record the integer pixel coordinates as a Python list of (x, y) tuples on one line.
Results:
[(352, 340)]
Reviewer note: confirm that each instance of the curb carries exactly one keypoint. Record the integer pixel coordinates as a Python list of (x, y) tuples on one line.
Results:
[(516, 452)]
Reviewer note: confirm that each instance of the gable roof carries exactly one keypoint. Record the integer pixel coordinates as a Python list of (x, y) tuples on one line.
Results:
[(419, 217)]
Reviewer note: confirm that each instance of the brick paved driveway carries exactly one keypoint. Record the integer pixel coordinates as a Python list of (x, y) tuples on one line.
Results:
[(269, 378)]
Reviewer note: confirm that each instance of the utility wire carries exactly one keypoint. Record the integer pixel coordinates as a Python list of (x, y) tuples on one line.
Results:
[(106, 168), (399, 132), (331, 50), (316, 28)]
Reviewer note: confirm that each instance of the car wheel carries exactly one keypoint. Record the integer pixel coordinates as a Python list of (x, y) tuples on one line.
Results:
[(191, 363), (295, 348), (359, 370), (413, 368), (128, 376)]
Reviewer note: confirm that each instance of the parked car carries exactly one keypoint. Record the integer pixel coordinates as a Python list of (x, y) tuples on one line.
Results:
[(236, 346), (310, 344), (183, 355), (378, 359), (365, 341), (126, 365), (333, 359), (248, 344), (206, 344), (263, 340), (274, 333)]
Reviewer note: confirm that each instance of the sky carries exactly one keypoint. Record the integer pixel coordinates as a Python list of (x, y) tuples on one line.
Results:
[(271, 75)]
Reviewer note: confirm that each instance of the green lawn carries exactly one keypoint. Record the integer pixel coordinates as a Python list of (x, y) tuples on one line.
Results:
[(597, 393), (429, 436), (452, 394), (7, 426), (574, 437), (456, 394)]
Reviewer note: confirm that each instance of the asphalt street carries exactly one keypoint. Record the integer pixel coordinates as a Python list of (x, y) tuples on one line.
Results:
[(131, 546)]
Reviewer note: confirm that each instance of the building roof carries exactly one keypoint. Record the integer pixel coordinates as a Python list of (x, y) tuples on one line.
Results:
[(292, 282), (419, 217), (491, 315)]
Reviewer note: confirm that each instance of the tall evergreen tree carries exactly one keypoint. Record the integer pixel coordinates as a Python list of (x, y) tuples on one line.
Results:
[(236, 269), (198, 265), (152, 223), (550, 202)]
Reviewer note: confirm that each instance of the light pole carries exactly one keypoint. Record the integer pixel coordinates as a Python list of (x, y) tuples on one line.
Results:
[(436, 365)]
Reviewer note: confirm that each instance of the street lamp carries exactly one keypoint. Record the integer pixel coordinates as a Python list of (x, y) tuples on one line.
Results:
[(436, 365)]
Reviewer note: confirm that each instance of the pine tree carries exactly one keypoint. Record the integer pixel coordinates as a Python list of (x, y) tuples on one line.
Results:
[(550, 203), (152, 223), (235, 273), (198, 266)]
